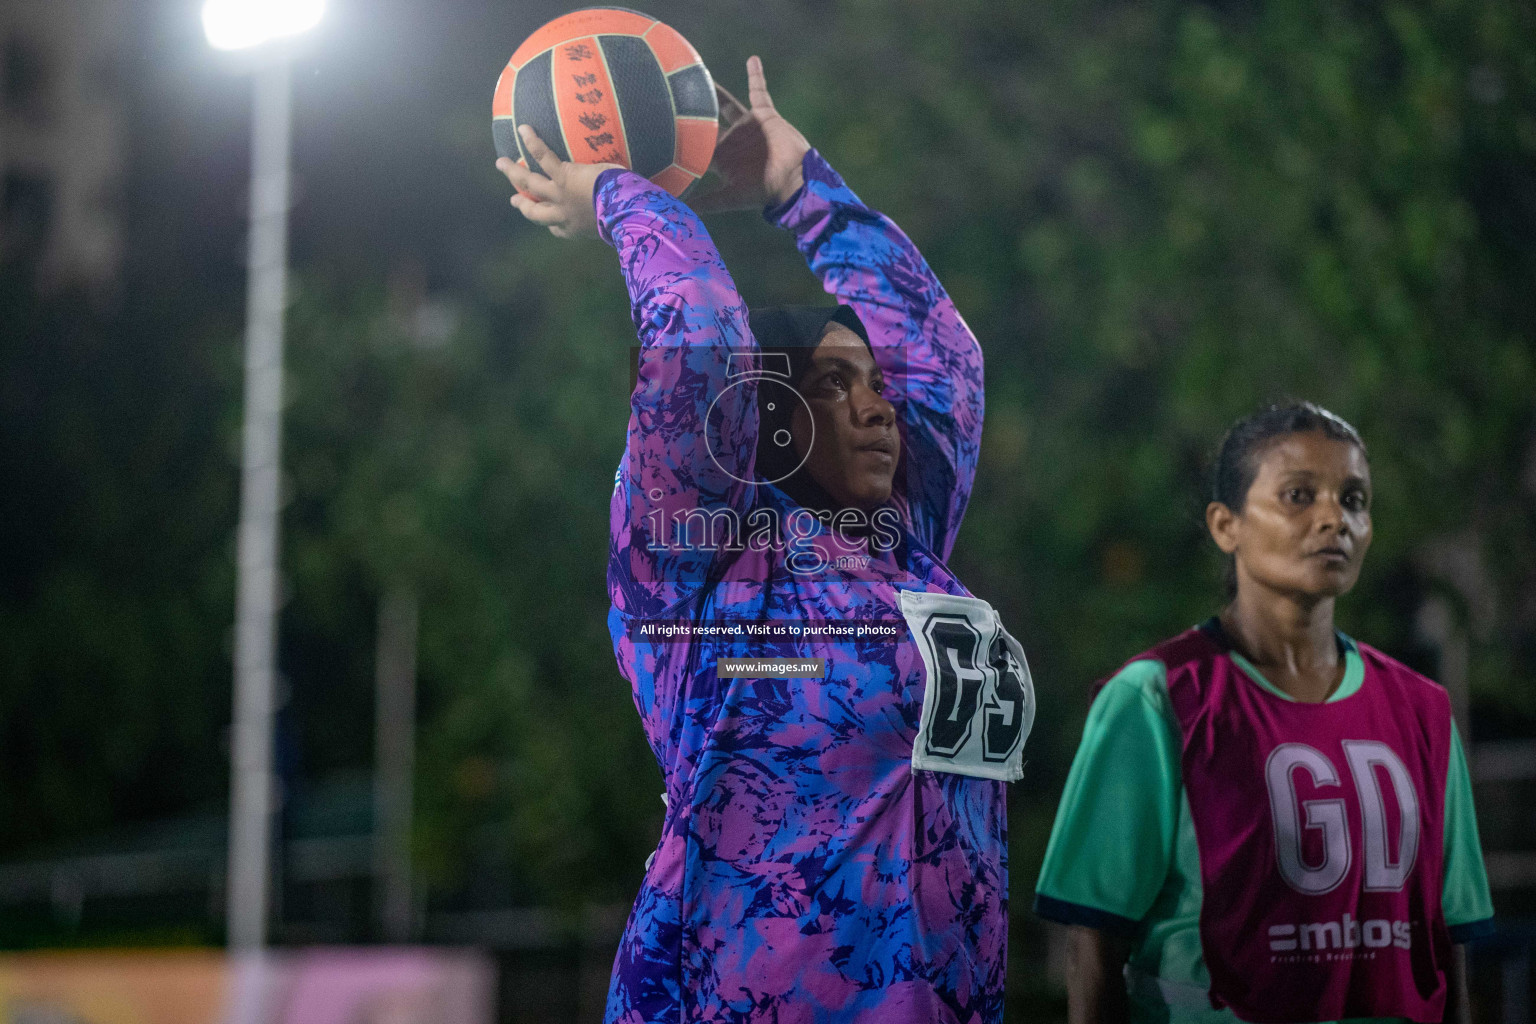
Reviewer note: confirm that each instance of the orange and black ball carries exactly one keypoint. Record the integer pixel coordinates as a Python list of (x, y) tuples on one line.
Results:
[(611, 85)]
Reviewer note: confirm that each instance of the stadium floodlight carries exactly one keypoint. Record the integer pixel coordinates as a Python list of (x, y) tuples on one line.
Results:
[(240, 24), (230, 25)]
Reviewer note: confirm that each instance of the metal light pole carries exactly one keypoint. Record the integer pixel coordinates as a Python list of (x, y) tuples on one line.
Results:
[(237, 24), (251, 782), (394, 761)]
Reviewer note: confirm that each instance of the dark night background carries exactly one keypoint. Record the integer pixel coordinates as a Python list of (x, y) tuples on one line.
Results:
[(1154, 215)]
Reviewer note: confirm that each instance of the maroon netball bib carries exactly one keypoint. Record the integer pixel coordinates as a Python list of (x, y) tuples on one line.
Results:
[(1320, 836)]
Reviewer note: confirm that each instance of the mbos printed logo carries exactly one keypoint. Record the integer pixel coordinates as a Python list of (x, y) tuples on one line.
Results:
[(1346, 933)]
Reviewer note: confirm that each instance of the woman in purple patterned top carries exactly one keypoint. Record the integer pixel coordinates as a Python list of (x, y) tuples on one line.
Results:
[(835, 842)]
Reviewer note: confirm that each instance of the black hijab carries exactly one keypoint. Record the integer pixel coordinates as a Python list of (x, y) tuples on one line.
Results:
[(787, 337)]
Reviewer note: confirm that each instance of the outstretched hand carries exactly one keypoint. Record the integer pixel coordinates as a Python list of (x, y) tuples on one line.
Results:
[(758, 155), (562, 193)]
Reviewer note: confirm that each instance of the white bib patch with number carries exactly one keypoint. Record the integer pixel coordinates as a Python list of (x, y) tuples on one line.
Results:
[(979, 703)]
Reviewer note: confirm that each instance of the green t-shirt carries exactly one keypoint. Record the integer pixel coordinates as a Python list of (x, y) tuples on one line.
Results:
[(1123, 856)]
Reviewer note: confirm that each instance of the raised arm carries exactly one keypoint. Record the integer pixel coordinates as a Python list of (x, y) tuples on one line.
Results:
[(692, 435), (931, 361)]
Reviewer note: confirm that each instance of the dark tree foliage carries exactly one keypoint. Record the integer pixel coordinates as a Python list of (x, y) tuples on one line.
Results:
[(1155, 216)]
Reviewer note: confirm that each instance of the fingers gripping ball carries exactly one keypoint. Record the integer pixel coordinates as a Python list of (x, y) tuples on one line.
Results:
[(610, 85)]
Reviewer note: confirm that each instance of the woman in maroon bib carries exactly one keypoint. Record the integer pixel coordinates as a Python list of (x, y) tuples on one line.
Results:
[(1315, 772)]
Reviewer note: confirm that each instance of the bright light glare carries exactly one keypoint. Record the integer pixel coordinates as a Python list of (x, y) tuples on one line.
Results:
[(237, 24)]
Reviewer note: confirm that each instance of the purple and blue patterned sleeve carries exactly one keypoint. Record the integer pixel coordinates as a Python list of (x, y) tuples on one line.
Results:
[(692, 437), (931, 360)]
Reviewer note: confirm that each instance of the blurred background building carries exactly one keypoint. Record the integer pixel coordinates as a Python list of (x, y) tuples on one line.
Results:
[(63, 138)]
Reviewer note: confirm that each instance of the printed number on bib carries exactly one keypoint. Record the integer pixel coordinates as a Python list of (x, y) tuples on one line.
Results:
[(1386, 869), (978, 702)]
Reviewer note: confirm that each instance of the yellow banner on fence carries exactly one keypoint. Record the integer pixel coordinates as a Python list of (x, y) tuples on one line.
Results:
[(313, 986)]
